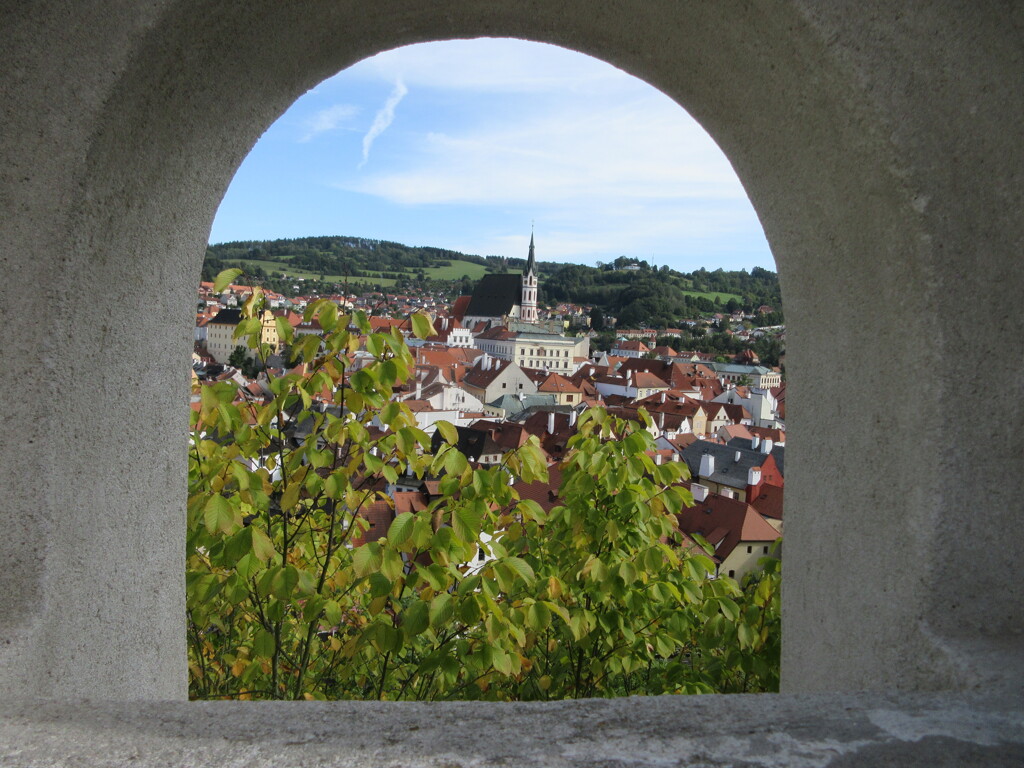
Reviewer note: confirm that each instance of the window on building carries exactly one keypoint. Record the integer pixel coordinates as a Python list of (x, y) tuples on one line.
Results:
[(749, 550)]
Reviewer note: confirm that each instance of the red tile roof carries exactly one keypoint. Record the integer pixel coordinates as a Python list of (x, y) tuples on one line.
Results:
[(725, 523)]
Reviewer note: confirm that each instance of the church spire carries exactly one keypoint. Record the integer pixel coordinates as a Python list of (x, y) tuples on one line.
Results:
[(531, 262), (528, 306)]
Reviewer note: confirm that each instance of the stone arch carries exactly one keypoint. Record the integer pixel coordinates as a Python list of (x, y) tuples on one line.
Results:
[(847, 129)]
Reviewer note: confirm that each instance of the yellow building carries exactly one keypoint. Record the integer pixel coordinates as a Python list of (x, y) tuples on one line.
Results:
[(534, 349), (220, 341)]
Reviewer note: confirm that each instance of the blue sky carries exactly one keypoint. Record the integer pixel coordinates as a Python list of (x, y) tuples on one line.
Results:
[(464, 144)]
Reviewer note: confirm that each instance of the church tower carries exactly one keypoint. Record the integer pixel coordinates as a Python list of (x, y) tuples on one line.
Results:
[(528, 305)]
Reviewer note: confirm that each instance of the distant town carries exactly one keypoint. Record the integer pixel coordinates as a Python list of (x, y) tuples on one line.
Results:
[(503, 365)]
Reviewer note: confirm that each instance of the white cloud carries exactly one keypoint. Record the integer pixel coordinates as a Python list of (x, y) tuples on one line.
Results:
[(384, 117), (575, 153), (328, 119)]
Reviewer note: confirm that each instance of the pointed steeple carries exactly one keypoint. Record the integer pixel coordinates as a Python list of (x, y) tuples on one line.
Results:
[(528, 306)]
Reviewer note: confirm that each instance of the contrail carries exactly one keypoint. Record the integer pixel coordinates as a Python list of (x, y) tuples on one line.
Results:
[(383, 119)]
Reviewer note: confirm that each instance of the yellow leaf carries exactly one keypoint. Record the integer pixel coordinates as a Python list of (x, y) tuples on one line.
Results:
[(554, 588), (290, 496)]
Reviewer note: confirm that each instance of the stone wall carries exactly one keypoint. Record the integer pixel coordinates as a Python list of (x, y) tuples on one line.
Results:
[(879, 143)]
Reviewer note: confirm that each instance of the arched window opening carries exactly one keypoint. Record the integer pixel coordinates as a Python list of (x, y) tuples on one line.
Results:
[(323, 568)]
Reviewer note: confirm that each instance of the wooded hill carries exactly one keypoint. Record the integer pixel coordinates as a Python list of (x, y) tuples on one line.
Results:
[(629, 289)]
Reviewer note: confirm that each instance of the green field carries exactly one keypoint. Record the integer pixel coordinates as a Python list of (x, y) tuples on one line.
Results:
[(711, 295), (453, 272), (457, 270)]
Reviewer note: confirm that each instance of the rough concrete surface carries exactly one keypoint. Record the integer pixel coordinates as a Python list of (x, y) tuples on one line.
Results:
[(805, 731), (880, 145)]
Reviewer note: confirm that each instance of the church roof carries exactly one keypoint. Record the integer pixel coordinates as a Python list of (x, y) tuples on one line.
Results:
[(227, 317), (495, 295), (531, 262)]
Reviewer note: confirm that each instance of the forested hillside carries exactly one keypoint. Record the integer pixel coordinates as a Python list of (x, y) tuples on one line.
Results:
[(322, 262), (628, 289), (638, 294)]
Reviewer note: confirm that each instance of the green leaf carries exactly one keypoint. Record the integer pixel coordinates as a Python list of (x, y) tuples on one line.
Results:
[(577, 625), (421, 326), (306, 584), (367, 559), (238, 546), (466, 523), (332, 612), (441, 610), (401, 529), (746, 636), (448, 432), (392, 564), (468, 585), (247, 567), (531, 510), (501, 661), (263, 644), (283, 582), (290, 497), (729, 609), (284, 329), (415, 618), (219, 515), (522, 568), (224, 279), (538, 617), (469, 611), (559, 610), (692, 592), (380, 585), (375, 344), (455, 463), (262, 546), (328, 316), (435, 575)]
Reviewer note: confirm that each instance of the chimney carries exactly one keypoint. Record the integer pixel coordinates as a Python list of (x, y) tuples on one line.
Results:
[(755, 441), (753, 479), (572, 418), (707, 465), (419, 388), (766, 445), (657, 459), (551, 422), (738, 456), (700, 492), (661, 421), (663, 395)]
